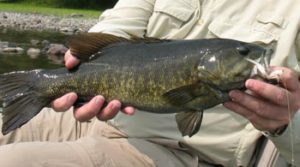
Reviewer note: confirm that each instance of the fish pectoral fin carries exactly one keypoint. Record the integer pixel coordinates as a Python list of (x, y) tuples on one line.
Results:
[(189, 123), (181, 95), (85, 45)]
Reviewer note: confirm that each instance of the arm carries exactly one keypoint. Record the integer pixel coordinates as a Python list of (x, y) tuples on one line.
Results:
[(288, 142), (127, 17), (272, 107)]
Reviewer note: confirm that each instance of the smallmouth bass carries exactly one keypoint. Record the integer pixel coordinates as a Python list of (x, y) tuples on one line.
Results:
[(160, 76)]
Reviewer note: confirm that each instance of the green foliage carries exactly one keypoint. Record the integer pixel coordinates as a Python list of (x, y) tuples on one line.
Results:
[(33, 8), (93, 4), (8, 0)]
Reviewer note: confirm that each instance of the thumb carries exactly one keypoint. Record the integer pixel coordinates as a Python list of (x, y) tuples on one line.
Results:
[(70, 60)]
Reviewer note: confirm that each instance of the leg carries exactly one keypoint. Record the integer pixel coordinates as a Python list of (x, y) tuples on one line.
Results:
[(95, 151), (89, 151), (52, 126), (59, 140)]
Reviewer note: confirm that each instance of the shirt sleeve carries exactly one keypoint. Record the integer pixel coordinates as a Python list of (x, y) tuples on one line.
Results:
[(288, 143), (127, 18), (298, 45)]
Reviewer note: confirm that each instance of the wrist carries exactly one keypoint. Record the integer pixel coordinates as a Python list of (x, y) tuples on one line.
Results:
[(277, 132)]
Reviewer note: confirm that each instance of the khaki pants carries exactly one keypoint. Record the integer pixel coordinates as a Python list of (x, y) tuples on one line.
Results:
[(56, 139)]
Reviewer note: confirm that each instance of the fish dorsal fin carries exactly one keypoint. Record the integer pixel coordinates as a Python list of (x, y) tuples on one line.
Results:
[(135, 39), (181, 95), (84, 45)]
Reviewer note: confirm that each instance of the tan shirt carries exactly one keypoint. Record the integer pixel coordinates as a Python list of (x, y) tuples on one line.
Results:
[(225, 137)]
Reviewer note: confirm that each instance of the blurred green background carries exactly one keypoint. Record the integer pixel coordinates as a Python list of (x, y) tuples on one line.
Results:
[(87, 4)]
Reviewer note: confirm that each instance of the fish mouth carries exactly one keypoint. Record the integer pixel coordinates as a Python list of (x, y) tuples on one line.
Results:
[(262, 64)]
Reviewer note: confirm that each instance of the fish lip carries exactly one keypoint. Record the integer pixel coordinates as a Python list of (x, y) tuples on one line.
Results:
[(262, 64)]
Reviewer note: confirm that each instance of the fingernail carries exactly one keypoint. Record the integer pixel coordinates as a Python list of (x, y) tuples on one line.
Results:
[(249, 83), (115, 106), (70, 98), (98, 100), (227, 104), (132, 112), (234, 95)]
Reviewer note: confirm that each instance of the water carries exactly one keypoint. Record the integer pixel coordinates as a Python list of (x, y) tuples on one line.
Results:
[(14, 62), (10, 63)]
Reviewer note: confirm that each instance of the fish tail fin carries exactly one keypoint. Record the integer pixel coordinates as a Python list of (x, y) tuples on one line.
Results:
[(189, 123), (20, 101)]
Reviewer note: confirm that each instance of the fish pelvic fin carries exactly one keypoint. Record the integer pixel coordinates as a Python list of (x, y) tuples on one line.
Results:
[(19, 100), (189, 123)]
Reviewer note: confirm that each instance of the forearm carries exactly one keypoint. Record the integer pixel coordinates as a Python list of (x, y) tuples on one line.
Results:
[(128, 17), (288, 142), (297, 43)]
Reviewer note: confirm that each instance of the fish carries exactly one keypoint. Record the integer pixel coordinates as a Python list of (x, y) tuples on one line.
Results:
[(161, 76)]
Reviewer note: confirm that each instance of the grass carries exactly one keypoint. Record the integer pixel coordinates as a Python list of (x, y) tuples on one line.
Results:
[(32, 8)]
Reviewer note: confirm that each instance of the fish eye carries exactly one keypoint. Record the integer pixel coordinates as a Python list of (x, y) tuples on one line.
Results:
[(243, 50)]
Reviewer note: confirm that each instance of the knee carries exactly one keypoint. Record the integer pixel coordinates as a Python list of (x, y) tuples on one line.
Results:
[(12, 156)]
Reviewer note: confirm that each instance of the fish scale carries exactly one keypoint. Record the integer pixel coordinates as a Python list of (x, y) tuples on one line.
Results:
[(159, 76)]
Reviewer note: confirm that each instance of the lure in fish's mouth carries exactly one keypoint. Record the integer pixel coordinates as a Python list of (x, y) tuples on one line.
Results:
[(262, 67)]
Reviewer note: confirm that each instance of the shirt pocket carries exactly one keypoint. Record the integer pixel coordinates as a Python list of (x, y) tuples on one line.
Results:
[(170, 20), (265, 29)]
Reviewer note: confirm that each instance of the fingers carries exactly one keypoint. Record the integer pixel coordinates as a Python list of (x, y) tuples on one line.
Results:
[(288, 78), (258, 122), (289, 81), (259, 107), (129, 110), (90, 109), (112, 109), (95, 108), (70, 60), (65, 102), (288, 95), (268, 107), (270, 92), (109, 111)]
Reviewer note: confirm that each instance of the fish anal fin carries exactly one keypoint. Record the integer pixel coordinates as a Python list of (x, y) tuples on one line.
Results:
[(189, 123)]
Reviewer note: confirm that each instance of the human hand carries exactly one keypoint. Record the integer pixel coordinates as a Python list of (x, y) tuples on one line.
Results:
[(93, 107), (268, 107)]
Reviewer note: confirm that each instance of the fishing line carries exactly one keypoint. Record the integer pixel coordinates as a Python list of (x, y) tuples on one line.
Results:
[(291, 128)]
